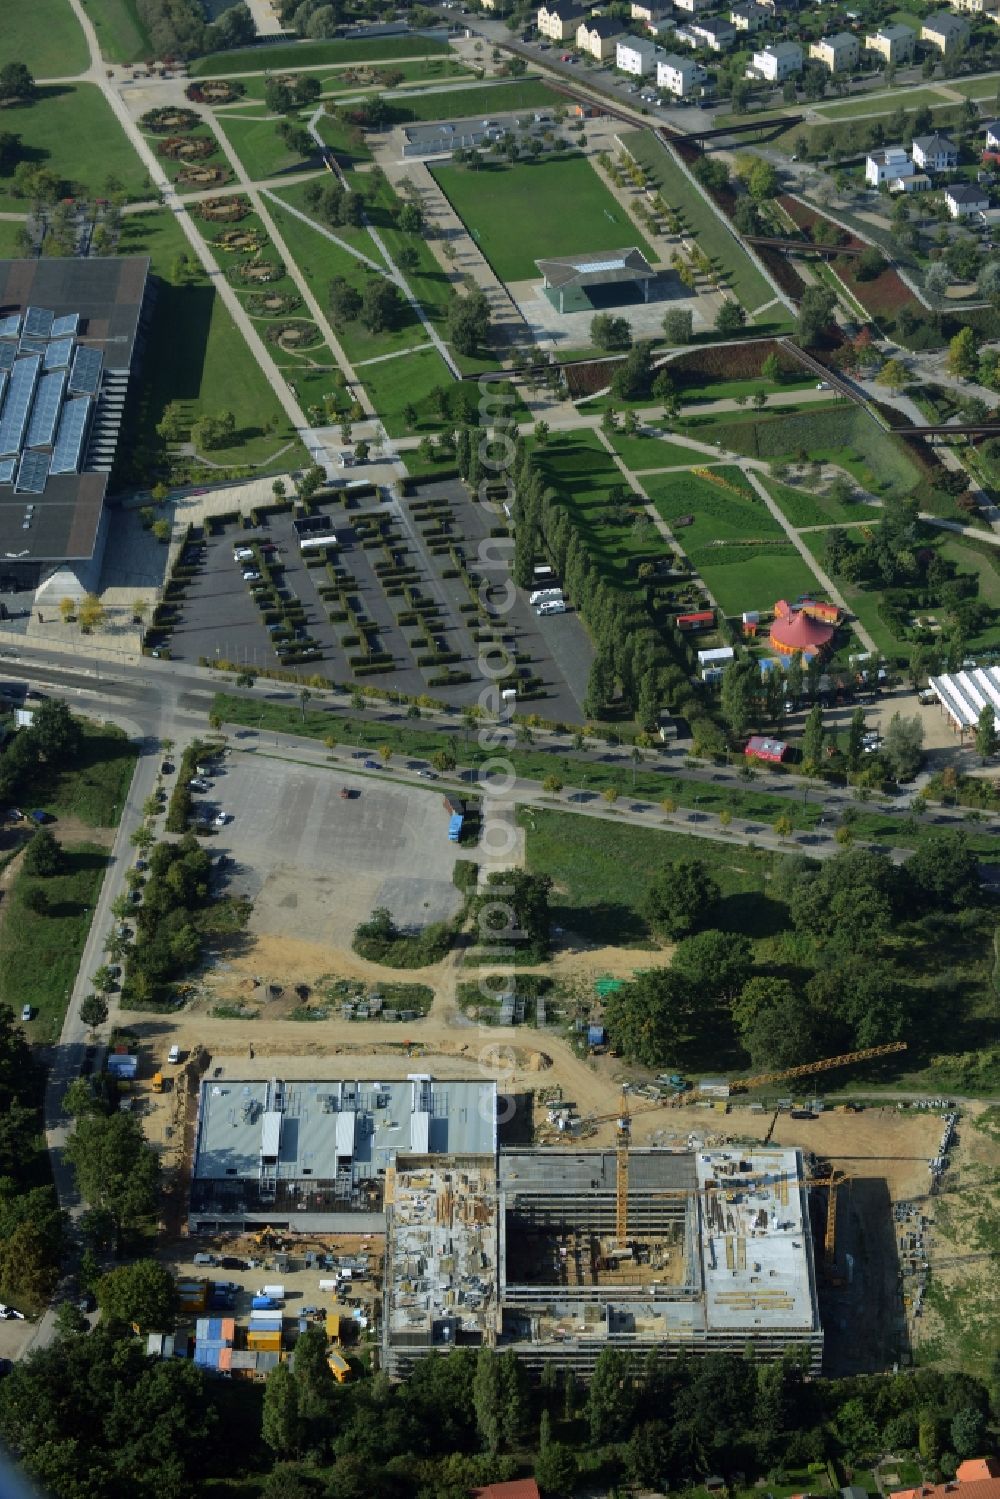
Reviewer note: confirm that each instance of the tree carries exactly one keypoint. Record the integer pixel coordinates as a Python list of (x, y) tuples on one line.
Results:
[(16, 84), (116, 1169), (903, 747), (815, 313), (281, 1426), (514, 907), (650, 1018), (611, 1399), (43, 857), (410, 219), (870, 264), (762, 181), (987, 739), (313, 1379), (633, 378), (93, 1011), (56, 733), (716, 964), (730, 318), (103, 979), (677, 325), (739, 695), (90, 611), (469, 323), (607, 332), (784, 1033), (486, 1399), (556, 1470), (381, 305), (968, 1431), (680, 898), (211, 432), (855, 739), (443, 760), (771, 369), (144, 1293), (893, 375), (943, 872), (963, 355), (812, 738), (344, 300)]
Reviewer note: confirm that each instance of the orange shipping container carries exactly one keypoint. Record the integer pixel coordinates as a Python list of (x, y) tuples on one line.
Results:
[(229, 1329), (264, 1342), (225, 1359)]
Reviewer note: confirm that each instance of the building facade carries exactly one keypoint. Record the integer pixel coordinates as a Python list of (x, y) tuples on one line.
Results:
[(775, 64), (894, 44), (559, 23), (599, 36), (838, 53), (636, 55), (680, 76), (945, 31), (935, 153)]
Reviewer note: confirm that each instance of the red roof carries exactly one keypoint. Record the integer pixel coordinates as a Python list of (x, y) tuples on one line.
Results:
[(977, 1478), (975, 1468), (520, 1488), (797, 631)]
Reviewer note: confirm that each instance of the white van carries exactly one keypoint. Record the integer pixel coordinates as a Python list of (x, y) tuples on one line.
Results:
[(276, 1293), (555, 606), (174, 1054), (545, 596)]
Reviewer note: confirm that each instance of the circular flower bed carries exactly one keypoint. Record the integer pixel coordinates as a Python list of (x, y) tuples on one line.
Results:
[(194, 176), (169, 121), (225, 210), (186, 148), (215, 91), (293, 336), (241, 241), (271, 303), (257, 272)]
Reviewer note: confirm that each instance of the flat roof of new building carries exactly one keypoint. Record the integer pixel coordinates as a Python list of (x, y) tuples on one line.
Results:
[(755, 1239), (522, 1172), (64, 324), (596, 268), (296, 1130)]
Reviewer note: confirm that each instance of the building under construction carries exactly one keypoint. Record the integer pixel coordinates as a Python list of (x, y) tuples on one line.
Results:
[(524, 1251)]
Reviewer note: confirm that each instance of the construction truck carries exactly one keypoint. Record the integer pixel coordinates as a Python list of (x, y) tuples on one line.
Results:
[(339, 1367), (157, 1082), (674, 1081)]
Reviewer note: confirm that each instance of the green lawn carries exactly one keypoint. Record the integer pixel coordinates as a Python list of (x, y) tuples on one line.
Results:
[(122, 34), (755, 564), (8, 239), (804, 509), (397, 382), (647, 451), (319, 260), (260, 148), (601, 873), (348, 143), (295, 194), (862, 602), (838, 433), (95, 789), (468, 103), (978, 88), (742, 277), (71, 130), (314, 54), (46, 36), (40, 954), (563, 201), (430, 70), (915, 98), (971, 559), (197, 356)]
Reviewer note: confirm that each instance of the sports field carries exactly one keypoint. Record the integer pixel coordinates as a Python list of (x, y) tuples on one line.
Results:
[(520, 214)]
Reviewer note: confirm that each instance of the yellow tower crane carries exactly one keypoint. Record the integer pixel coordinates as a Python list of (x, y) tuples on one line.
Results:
[(623, 1136)]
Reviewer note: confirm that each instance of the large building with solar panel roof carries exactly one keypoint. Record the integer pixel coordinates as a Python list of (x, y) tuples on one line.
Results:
[(70, 337)]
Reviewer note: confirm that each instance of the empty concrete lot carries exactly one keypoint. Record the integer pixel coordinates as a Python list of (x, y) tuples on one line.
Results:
[(315, 864)]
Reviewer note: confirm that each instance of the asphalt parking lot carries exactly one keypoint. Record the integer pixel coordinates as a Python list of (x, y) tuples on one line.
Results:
[(219, 620), (315, 864)]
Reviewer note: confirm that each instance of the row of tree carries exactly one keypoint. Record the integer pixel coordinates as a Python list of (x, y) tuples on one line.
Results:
[(168, 935)]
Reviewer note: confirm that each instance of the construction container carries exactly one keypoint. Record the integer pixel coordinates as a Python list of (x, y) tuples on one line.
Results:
[(225, 1360), (339, 1367), (266, 1321), (333, 1326), (261, 1303), (157, 1082), (266, 1362), (242, 1360), (207, 1357), (264, 1342)]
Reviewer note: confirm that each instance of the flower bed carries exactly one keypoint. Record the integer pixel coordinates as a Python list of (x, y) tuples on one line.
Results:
[(170, 121), (884, 294)]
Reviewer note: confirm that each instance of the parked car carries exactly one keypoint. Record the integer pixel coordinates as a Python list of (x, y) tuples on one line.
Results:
[(251, 575), (166, 768), (174, 1054), (26, 1013), (242, 554), (221, 819), (197, 784)]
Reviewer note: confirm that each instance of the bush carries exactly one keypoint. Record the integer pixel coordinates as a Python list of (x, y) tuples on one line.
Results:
[(379, 940)]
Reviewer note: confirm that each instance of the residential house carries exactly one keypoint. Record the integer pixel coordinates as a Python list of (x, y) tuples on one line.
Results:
[(986, 8), (662, 26), (749, 17), (935, 153), (680, 76), (712, 32), (992, 128), (839, 53), (599, 35), (962, 200), (636, 55), (945, 31), (518, 1488), (648, 11), (558, 20), (775, 64), (894, 44), (884, 166), (692, 7), (976, 1478)]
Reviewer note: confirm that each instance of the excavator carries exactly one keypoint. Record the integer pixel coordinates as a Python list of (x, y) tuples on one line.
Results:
[(623, 1118)]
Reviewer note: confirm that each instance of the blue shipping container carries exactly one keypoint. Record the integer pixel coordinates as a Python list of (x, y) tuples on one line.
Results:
[(455, 827), (261, 1304), (595, 1035)]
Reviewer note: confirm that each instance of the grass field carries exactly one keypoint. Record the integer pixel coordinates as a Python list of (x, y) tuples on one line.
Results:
[(8, 239), (197, 356), (260, 148), (915, 98), (320, 260), (484, 100), (978, 88), (40, 954), (743, 278), (71, 130), (804, 509), (120, 30), (94, 790), (295, 194), (647, 451), (837, 433), (282, 55), (46, 36), (416, 71), (601, 873), (564, 202), (397, 382), (739, 549), (862, 602)]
